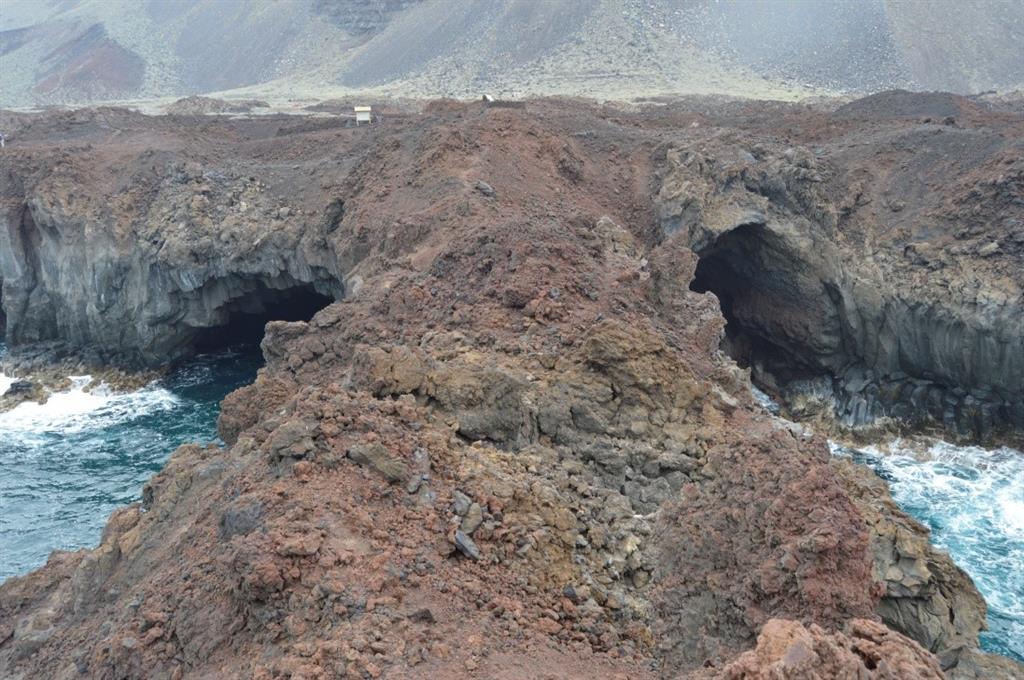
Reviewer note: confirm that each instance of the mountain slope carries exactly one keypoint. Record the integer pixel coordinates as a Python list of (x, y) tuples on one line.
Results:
[(69, 51)]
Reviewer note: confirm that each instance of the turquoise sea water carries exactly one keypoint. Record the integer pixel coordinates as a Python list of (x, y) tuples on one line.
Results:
[(972, 499), (65, 465)]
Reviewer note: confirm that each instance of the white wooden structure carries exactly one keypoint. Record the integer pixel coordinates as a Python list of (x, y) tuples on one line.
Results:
[(362, 114)]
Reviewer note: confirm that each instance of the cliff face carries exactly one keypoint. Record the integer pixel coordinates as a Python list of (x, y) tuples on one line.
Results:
[(881, 271), (513, 439), (872, 263), (127, 254)]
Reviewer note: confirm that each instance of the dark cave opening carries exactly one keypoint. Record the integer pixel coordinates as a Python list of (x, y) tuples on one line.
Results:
[(246, 317), (744, 269)]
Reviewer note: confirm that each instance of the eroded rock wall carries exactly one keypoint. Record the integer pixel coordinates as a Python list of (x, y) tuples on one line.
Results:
[(124, 255)]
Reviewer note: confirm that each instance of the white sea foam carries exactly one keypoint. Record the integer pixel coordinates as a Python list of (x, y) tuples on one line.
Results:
[(762, 398), (5, 383), (77, 410), (1011, 506), (973, 500)]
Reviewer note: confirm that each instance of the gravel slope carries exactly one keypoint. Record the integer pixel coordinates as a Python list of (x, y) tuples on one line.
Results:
[(91, 50)]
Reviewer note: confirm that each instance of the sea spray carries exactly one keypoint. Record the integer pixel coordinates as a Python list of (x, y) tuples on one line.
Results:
[(5, 383), (972, 499), (766, 402), (66, 464), (5, 380), (82, 407)]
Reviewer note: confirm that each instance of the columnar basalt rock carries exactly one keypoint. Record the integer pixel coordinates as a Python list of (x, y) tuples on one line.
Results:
[(926, 595), (134, 271), (845, 282)]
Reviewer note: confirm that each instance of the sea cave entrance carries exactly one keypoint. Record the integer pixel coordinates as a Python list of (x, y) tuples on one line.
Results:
[(754, 277), (245, 317)]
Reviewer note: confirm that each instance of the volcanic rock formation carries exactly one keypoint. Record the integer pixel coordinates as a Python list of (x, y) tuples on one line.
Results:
[(512, 441), (848, 276)]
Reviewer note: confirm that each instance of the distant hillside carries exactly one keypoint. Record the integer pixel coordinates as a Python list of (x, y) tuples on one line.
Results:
[(71, 51)]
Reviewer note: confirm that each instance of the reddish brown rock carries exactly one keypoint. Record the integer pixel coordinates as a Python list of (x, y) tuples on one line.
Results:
[(537, 352), (786, 650)]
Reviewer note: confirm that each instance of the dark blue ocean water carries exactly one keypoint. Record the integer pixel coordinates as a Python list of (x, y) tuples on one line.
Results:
[(65, 465)]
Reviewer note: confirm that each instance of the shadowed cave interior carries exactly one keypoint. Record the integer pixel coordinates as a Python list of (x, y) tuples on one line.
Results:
[(744, 269), (246, 317)]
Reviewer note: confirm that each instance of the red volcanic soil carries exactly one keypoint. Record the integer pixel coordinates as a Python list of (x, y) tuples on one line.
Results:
[(513, 450), (91, 65)]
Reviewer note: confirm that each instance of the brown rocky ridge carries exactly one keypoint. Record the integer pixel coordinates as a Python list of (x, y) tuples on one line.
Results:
[(508, 443)]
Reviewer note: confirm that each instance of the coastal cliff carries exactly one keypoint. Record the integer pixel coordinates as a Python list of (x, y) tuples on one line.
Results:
[(874, 272), (495, 428)]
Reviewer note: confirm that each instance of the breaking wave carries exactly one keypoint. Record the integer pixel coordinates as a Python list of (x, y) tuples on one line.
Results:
[(67, 464), (77, 410), (972, 499)]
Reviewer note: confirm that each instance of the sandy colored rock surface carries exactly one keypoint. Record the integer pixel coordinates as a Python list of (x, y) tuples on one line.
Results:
[(866, 649)]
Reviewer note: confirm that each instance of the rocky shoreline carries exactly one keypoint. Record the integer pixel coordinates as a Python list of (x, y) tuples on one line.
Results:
[(509, 435), (848, 285), (35, 382)]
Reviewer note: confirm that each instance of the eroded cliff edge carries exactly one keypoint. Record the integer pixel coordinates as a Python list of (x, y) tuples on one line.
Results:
[(513, 441)]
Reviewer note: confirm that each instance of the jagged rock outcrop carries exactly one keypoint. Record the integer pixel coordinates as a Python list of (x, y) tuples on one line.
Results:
[(134, 271), (714, 589), (196, 105), (846, 280), (513, 443), (927, 596)]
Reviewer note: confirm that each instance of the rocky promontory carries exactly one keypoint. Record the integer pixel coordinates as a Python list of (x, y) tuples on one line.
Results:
[(496, 430)]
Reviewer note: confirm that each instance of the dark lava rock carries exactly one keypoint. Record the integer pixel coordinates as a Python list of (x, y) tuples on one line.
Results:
[(240, 519), (466, 546), (19, 387)]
